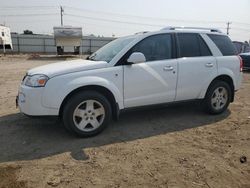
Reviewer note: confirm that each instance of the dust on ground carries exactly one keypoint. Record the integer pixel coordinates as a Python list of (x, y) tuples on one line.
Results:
[(167, 146)]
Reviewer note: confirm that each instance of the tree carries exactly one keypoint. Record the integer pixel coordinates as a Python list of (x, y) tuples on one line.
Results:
[(27, 32)]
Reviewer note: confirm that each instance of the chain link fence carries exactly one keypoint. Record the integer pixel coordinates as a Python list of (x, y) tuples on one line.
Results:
[(46, 44)]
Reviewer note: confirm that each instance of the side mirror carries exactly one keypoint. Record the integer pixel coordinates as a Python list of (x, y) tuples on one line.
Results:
[(136, 57)]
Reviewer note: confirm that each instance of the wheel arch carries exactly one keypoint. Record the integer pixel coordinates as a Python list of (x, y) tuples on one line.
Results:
[(226, 78), (100, 89)]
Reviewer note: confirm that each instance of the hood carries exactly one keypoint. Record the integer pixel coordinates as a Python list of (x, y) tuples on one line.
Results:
[(246, 54), (65, 67)]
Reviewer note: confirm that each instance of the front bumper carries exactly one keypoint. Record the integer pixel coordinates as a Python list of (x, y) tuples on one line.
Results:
[(29, 101), (246, 67)]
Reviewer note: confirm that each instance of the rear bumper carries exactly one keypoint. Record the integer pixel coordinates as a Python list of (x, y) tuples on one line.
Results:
[(29, 101)]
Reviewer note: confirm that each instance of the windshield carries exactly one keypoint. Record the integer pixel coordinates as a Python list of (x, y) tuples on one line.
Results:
[(109, 51)]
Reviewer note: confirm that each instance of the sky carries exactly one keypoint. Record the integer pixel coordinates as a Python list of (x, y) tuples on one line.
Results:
[(125, 17)]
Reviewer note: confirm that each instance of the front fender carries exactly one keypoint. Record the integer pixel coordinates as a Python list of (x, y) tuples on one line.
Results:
[(57, 89)]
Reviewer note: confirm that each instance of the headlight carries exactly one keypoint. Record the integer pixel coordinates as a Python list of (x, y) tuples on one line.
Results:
[(38, 80)]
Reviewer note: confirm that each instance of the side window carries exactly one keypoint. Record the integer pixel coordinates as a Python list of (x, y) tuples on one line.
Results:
[(2, 34), (192, 45), (157, 47), (224, 44)]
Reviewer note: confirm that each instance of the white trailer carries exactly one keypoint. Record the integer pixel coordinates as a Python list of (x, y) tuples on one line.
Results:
[(5, 38), (68, 39)]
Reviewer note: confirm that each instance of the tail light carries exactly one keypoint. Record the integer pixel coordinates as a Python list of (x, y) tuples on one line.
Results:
[(241, 64)]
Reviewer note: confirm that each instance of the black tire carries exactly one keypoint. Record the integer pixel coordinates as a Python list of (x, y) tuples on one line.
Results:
[(207, 102), (73, 103)]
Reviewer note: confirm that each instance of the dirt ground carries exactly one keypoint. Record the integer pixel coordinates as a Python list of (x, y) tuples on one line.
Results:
[(173, 146)]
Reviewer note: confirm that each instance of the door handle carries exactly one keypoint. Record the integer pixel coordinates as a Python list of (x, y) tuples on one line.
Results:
[(168, 68), (209, 65)]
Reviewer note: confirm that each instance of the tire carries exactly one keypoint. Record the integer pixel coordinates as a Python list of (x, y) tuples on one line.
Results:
[(217, 98), (87, 113)]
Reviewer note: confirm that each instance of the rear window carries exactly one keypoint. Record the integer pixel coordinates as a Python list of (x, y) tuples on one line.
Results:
[(224, 44), (192, 45)]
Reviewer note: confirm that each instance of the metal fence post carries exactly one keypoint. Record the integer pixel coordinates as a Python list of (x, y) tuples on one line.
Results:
[(18, 44), (90, 46), (4, 47), (82, 46), (44, 47)]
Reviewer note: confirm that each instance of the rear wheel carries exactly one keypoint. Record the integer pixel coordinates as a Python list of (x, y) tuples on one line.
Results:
[(87, 113), (218, 97)]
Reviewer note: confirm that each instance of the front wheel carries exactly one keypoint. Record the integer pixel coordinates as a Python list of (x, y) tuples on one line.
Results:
[(218, 97), (87, 113)]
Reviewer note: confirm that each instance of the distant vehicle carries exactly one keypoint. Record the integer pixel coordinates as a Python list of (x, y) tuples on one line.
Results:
[(171, 65), (241, 47), (68, 39), (243, 50), (246, 60), (5, 38)]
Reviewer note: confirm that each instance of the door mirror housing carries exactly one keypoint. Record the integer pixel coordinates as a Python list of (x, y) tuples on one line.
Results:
[(136, 57)]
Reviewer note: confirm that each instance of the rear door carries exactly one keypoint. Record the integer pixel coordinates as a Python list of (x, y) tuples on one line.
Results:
[(228, 62), (196, 66)]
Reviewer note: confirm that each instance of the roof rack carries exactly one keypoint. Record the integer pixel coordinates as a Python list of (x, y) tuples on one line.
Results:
[(192, 28), (142, 32)]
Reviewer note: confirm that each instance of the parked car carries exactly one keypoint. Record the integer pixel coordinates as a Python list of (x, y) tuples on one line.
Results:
[(246, 60), (174, 64), (241, 47)]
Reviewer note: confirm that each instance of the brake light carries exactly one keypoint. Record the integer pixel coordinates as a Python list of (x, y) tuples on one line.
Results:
[(241, 64)]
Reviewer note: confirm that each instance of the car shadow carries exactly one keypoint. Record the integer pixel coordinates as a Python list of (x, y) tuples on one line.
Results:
[(24, 138), (246, 71)]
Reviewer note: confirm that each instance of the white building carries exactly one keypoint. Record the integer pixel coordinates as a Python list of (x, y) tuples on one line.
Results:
[(5, 38), (68, 39)]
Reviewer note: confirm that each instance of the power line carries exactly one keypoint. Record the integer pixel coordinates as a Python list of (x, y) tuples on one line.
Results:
[(27, 15), (115, 21), (241, 23), (144, 24), (32, 21), (105, 19), (27, 7), (117, 14), (98, 25), (141, 17), (241, 29)]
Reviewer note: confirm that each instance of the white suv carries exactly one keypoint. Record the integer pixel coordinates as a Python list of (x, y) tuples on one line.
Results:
[(174, 64)]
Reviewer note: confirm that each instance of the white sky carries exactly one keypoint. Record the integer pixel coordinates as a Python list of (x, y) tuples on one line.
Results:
[(107, 17)]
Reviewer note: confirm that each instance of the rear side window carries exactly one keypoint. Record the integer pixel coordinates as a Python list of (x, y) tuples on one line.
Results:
[(224, 44), (157, 47), (192, 45)]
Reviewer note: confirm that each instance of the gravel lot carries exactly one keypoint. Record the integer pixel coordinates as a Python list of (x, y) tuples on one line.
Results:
[(174, 146)]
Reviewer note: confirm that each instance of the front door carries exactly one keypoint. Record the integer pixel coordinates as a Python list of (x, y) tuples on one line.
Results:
[(153, 81)]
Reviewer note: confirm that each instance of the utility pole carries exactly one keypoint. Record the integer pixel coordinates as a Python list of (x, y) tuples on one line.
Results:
[(61, 12), (228, 27)]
